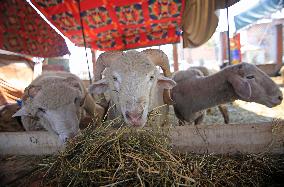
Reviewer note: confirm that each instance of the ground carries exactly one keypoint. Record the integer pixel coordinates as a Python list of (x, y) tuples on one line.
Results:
[(14, 170)]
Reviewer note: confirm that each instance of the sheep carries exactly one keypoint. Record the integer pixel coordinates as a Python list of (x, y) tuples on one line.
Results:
[(56, 101), (222, 108), (194, 93), (134, 85)]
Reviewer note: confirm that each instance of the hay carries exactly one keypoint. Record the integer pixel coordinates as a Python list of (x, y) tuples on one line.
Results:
[(101, 156), (237, 170)]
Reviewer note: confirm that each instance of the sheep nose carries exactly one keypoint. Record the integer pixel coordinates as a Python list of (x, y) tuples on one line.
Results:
[(134, 116), (280, 97)]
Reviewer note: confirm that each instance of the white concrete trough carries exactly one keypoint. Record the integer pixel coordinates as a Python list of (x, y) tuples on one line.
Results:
[(230, 139), (218, 139), (28, 143)]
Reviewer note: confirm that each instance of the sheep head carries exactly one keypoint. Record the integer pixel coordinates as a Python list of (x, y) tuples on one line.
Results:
[(189, 74), (130, 79), (56, 106), (253, 85)]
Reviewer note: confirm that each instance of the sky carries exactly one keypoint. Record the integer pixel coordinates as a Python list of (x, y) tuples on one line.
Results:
[(234, 10)]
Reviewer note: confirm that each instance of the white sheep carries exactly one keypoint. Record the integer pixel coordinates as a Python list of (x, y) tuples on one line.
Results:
[(194, 92), (56, 101), (134, 85)]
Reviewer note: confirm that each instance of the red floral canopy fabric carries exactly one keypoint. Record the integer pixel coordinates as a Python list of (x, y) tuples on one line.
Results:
[(115, 24), (22, 30)]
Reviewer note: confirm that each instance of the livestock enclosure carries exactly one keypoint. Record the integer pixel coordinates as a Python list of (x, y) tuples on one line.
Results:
[(198, 153), (93, 137), (256, 142), (217, 139), (252, 141)]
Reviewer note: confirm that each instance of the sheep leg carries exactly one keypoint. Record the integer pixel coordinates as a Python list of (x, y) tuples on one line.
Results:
[(199, 119), (181, 123), (224, 111)]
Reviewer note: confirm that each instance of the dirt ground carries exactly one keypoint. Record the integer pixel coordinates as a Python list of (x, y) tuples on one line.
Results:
[(17, 170)]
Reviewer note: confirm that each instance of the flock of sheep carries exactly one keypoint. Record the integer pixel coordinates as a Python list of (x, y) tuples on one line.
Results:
[(129, 85)]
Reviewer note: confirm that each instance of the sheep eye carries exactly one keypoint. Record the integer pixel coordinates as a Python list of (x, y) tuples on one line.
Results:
[(114, 78), (77, 101), (41, 110), (250, 77), (152, 77)]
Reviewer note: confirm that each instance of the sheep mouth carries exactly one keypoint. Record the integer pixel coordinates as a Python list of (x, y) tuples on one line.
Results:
[(137, 125), (139, 122), (134, 119), (273, 102)]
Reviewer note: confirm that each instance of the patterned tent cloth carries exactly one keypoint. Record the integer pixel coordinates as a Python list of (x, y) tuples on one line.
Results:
[(23, 31), (115, 24)]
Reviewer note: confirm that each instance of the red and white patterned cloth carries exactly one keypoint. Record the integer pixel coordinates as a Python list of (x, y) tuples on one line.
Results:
[(22, 30), (116, 24)]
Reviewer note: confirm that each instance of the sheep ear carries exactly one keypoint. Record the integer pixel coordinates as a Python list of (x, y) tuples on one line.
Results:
[(241, 86), (31, 91), (166, 83), (21, 112), (99, 87)]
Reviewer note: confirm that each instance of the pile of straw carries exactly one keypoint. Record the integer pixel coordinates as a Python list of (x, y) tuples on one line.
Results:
[(101, 156)]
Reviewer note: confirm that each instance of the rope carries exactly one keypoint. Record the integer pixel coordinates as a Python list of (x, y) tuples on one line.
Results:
[(83, 34)]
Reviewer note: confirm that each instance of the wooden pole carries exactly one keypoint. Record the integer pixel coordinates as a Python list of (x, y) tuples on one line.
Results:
[(94, 60), (175, 56), (279, 43), (224, 49)]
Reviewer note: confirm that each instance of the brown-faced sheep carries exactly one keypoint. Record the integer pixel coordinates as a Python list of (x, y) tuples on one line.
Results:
[(222, 108), (56, 101), (195, 93)]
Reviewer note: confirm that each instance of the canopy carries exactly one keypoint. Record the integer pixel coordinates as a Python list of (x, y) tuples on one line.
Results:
[(199, 20), (115, 24), (23, 31), (259, 11)]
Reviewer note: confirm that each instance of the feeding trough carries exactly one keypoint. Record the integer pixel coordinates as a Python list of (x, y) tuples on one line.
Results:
[(104, 156), (219, 139)]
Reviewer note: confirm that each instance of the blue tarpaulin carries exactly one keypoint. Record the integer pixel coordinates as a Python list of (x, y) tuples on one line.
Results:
[(262, 9)]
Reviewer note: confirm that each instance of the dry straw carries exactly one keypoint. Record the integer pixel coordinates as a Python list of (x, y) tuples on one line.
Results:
[(102, 156)]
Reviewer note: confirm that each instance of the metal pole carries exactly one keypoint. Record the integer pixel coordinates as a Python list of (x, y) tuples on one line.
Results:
[(228, 35), (83, 34)]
